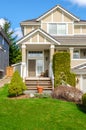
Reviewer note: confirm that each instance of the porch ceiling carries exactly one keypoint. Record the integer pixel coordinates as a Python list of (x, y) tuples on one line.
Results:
[(38, 46)]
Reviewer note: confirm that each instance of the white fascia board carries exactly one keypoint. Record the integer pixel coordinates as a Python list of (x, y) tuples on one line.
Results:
[(78, 65), (59, 7), (49, 37), (38, 30), (26, 37), (76, 24), (27, 23), (46, 13), (69, 13)]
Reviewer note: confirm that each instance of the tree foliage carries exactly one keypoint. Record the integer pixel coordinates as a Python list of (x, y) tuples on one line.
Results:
[(14, 51)]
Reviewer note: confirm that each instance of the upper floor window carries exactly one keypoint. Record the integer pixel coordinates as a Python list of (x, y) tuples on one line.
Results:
[(57, 29)]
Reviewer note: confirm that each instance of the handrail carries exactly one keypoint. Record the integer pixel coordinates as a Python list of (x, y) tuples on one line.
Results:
[(51, 75)]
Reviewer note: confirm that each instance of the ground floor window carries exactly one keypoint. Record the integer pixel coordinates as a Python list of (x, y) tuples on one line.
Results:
[(76, 54)]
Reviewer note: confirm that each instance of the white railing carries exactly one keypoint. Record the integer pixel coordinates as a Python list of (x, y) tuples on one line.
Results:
[(17, 67), (51, 75)]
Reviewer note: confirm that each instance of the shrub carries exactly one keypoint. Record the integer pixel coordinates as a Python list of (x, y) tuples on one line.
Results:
[(84, 99), (16, 87), (61, 69), (67, 93)]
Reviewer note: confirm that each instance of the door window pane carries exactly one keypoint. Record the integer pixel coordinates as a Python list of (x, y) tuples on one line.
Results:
[(39, 66)]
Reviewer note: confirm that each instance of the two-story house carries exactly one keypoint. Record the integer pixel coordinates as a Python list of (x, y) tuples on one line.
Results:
[(55, 30), (4, 53)]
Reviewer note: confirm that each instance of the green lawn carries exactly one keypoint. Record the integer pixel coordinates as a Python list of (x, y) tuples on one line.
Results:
[(39, 114)]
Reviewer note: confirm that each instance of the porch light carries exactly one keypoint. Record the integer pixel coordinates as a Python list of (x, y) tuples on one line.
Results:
[(46, 58)]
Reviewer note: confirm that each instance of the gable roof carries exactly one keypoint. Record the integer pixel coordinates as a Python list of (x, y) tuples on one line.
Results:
[(36, 20), (31, 22), (40, 31), (61, 8)]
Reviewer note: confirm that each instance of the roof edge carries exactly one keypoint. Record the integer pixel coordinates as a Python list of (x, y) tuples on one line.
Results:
[(38, 30), (60, 7)]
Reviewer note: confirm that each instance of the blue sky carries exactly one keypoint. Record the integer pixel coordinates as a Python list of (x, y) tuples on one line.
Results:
[(20, 10)]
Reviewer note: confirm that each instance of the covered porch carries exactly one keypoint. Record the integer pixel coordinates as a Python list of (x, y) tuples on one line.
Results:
[(37, 53), (36, 60)]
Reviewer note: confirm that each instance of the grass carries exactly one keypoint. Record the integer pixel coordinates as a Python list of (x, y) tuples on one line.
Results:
[(39, 114)]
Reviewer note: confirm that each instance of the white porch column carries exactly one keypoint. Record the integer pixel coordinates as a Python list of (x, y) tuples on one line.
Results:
[(71, 55), (23, 61), (81, 83), (71, 52), (52, 47)]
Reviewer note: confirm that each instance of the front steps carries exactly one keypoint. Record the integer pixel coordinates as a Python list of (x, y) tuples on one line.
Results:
[(32, 84)]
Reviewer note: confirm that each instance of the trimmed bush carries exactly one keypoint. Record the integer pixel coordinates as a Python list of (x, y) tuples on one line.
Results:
[(16, 87), (61, 69), (84, 99)]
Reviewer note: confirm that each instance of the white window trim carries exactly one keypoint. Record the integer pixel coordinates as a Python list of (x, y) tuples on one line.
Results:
[(79, 54), (35, 58), (58, 24)]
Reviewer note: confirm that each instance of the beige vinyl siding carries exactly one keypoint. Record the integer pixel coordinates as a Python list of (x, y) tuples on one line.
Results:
[(38, 38), (57, 16), (34, 38), (84, 29), (47, 18), (70, 28), (29, 28), (67, 18), (41, 39), (77, 29), (44, 26)]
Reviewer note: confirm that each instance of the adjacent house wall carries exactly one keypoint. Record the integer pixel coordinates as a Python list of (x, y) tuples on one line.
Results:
[(4, 55)]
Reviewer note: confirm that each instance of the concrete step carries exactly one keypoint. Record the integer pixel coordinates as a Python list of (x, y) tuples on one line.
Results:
[(34, 88), (32, 83)]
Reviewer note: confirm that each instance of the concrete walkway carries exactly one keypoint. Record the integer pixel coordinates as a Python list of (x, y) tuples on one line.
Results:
[(4, 81)]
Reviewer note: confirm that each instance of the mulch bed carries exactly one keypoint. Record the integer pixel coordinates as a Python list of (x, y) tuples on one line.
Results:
[(21, 97)]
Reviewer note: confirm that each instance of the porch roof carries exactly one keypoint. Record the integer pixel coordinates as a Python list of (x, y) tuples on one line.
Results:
[(46, 35), (80, 69)]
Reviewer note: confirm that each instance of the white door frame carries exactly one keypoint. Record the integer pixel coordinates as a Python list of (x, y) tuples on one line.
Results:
[(34, 58)]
